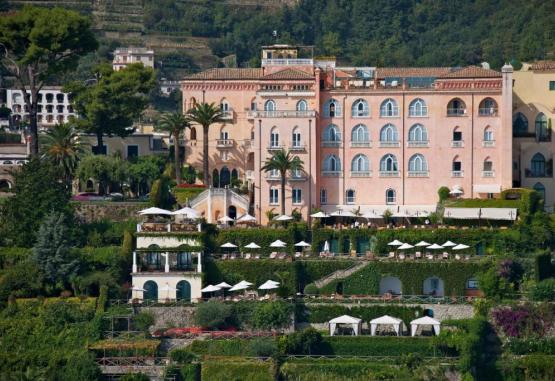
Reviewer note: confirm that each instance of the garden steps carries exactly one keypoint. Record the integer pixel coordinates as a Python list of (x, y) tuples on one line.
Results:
[(339, 274)]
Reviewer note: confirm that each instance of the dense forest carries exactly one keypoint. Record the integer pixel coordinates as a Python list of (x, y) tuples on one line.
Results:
[(371, 32)]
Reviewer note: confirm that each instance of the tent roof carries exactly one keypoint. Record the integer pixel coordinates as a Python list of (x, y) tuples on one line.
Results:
[(425, 320), (246, 218), (386, 319), (345, 319), (269, 285)]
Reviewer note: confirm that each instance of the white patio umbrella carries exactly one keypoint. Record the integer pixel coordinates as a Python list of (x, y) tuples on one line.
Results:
[(187, 212), (461, 246), (283, 217), (246, 218), (405, 246), (278, 243), (269, 285), (422, 244), (228, 245), (449, 244), (456, 192), (319, 215), (226, 219), (326, 247), (372, 215), (154, 211), (252, 245), (343, 213), (435, 246), (210, 288), (240, 286), (395, 243), (223, 285), (302, 244)]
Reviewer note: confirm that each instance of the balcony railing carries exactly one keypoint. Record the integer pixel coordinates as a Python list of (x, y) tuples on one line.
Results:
[(389, 173), (273, 176), (227, 115), (492, 111), (297, 147), (419, 173), (456, 111), (488, 143), (548, 172), (488, 173), (457, 143), (389, 144), (390, 113), (224, 143), (275, 147), (331, 143), (287, 61), (457, 173), (361, 144), (418, 144), (297, 177), (332, 173), (281, 114), (361, 173)]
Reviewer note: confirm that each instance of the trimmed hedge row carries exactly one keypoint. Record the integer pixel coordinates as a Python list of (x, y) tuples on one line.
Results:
[(378, 346), (231, 347), (346, 370), (324, 313), (237, 369), (412, 275)]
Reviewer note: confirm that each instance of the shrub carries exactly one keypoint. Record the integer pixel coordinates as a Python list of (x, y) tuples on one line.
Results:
[(237, 370), (214, 314), (345, 370), (232, 347), (443, 193), (533, 345), (182, 356), (135, 377), (311, 289), (542, 263), (143, 320), (544, 290), (272, 315), (525, 320), (263, 348), (301, 343)]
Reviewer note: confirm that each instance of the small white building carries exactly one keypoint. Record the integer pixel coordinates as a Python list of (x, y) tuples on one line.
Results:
[(126, 56)]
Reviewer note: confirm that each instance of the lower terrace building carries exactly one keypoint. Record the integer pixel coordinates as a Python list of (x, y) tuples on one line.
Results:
[(369, 137)]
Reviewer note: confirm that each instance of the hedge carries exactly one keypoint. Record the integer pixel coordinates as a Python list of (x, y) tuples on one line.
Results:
[(231, 347), (542, 265), (237, 369), (412, 275), (324, 313), (346, 370), (378, 346)]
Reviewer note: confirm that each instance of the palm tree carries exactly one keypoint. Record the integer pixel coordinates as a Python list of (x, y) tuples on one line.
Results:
[(282, 162), (205, 114), (62, 145), (174, 124)]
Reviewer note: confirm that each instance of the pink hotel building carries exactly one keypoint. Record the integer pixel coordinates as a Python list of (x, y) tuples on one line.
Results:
[(369, 137)]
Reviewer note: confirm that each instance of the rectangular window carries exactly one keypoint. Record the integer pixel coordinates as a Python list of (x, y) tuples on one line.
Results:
[(274, 194), (457, 166), (457, 136), (132, 151), (297, 196), (323, 196), (552, 85), (472, 284), (157, 145), (103, 151)]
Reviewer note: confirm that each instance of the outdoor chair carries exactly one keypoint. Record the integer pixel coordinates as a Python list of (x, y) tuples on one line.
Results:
[(248, 256), (225, 256), (257, 256), (282, 256), (298, 254), (445, 255), (457, 257), (467, 257), (232, 256), (391, 254), (273, 255), (418, 255), (430, 256), (401, 256)]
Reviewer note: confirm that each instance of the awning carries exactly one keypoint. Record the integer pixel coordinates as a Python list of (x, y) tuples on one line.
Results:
[(462, 213), (425, 320), (487, 188), (386, 320), (355, 323), (508, 214)]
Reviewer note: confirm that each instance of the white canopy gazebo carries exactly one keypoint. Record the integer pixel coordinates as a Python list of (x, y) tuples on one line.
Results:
[(246, 219), (252, 245), (354, 322), (154, 211), (269, 285), (242, 285), (424, 321), (386, 320)]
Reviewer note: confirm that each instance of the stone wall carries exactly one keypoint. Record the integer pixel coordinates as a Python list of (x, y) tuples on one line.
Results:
[(165, 317), (101, 210)]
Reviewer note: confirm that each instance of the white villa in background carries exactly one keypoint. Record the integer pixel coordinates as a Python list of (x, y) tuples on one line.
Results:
[(164, 268), (126, 56)]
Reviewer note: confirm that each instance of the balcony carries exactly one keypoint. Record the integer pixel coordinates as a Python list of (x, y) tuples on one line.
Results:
[(488, 173), (389, 174), (224, 143), (297, 147), (390, 113), (287, 61), (331, 143), (361, 173), (547, 172), (301, 176), (492, 111), (457, 143), (419, 173), (273, 176), (418, 144), (488, 143), (157, 262), (275, 147), (227, 115), (361, 144), (158, 227), (332, 173), (281, 114), (456, 112), (389, 144), (457, 173)]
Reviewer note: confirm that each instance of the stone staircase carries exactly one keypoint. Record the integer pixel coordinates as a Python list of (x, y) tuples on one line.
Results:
[(340, 274), (233, 197)]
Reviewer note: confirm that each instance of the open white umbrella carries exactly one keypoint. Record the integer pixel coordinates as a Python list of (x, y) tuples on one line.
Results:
[(240, 286), (395, 243), (283, 217), (246, 218), (187, 212), (154, 211), (223, 285), (269, 285), (226, 219), (278, 243), (210, 288), (319, 215), (422, 244), (302, 244), (228, 245), (252, 245), (461, 246), (456, 192), (449, 244), (405, 246), (435, 246), (135, 288)]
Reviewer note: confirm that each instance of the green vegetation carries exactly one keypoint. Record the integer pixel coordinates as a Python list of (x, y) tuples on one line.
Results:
[(237, 369), (313, 313)]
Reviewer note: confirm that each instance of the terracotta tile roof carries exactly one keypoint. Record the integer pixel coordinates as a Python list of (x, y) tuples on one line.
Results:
[(226, 73), (472, 72), (403, 72), (543, 65), (288, 74)]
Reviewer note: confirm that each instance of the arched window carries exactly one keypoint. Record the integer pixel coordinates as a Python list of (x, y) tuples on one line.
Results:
[(296, 138), (388, 163), (274, 138), (323, 196), (331, 134), (224, 106), (389, 108), (183, 291), (540, 188), (234, 174), (388, 133), (543, 134), (488, 134), (350, 196), (457, 137), (418, 108), (360, 163), (520, 125), (360, 109), (302, 105), (332, 109), (456, 107), (456, 167), (390, 196), (332, 163), (418, 133), (270, 105), (215, 178), (193, 133), (418, 163), (488, 107), (488, 165), (360, 135), (538, 165), (151, 290), (225, 177)]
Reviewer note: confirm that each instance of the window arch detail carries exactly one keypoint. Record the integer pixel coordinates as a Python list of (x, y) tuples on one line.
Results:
[(538, 167), (456, 107), (488, 107), (418, 136), (418, 166), (332, 109), (332, 164), (418, 108), (389, 166), (390, 196), (360, 137), (543, 133), (389, 108), (360, 109), (520, 125), (360, 166), (331, 136), (302, 105)]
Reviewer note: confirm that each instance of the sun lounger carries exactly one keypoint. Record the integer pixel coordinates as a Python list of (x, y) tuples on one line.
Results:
[(248, 256), (257, 256), (457, 257), (232, 256), (401, 256), (298, 254)]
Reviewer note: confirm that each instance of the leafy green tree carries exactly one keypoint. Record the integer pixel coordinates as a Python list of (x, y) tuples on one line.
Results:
[(52, 251), (144, 171), (38, 192), (205, 115), (175, 125), (214, 314), (36, 43), (283, 162), (104, 169), (63, 147), (113, 102), (160, 195), (273, 315)]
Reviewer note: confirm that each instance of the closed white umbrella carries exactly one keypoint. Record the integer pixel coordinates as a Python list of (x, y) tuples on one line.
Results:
[(422, 244), (302, 244), (278, 243), (405, 246), (187, 212), (223, 285), (210, 288), (269, 285), (246, 218), (228, 245), (395, 243), (326, 247), (283, 217), (435, 246), (449, 244), (154, 211), (319, 215), (461, 246), (252, 245)]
